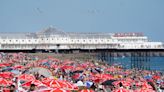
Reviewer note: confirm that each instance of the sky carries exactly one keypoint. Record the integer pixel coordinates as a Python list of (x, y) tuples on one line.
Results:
[(112, 16)]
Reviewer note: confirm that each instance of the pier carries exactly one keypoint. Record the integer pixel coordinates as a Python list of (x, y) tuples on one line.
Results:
[(139, 58)]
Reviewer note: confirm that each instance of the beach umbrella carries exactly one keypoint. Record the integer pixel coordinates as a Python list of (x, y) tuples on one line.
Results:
[(54, 66), (18, 67), (129, 80), (156, 77), (144, 90), (67, 67), (6, 74), (55, 83), (15, 71), (47, 89), (59, 90), (71, 86), (47, 81), (26, 77), (145, 85), (111, 69), (35, 82), (7, 69), (60, 84), (86, 90), (125, 83), (76, 76), (100, 77), (42, 71), (121, 90), (4, 82), (67, 62), (104, 76), (78, 68), (6, 90), (4, 64)]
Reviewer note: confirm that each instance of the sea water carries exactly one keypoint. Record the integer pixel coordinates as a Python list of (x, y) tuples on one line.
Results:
[(156, 63)]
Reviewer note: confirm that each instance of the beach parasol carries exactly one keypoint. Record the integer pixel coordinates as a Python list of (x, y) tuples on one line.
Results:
[(86, 90), (42, 71), (6, 74), (125, 83), (18, 67), (156, 77), (76, 76), (4, 64), (26, 77), (144, 90), (121, 90), (15, 72), (104, 76), (4, 82), (67, 67), (35, 82), (59, 90), (59, 84)]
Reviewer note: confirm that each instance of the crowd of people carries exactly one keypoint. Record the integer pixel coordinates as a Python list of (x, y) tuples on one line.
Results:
[(22, 72)]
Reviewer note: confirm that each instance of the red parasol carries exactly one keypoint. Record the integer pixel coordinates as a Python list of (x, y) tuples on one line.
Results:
[(18, 67), (121, 90), (57, 84), (78, 68), (36, 82), (67, 67), (156, 77), (87, 90), (76, 76), (125, 83), (46, 81), (4, 64), (144, 90), (6, 74), (4, 82), (104, 76), (26, 77), (59, 90), (146, 85), (101, 77)]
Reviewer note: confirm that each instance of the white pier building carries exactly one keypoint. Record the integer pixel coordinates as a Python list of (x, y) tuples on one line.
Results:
[(52, 39)]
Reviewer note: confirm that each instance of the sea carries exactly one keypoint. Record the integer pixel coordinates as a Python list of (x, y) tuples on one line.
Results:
[(155, 63)]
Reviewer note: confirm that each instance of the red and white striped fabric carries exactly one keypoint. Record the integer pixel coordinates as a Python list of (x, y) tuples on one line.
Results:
[(59, 84), (125, 83), (18, 67), (59, 90), (6, 74), (87, 90), (36, 82), (63, 84), (4, 82), (144, 90), (26, 77), (121, 90)]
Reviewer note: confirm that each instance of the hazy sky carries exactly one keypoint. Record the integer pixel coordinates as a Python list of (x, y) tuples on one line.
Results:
[(145, 16)]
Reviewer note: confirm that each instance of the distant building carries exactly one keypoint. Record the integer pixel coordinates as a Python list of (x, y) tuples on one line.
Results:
[(53, 39)]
